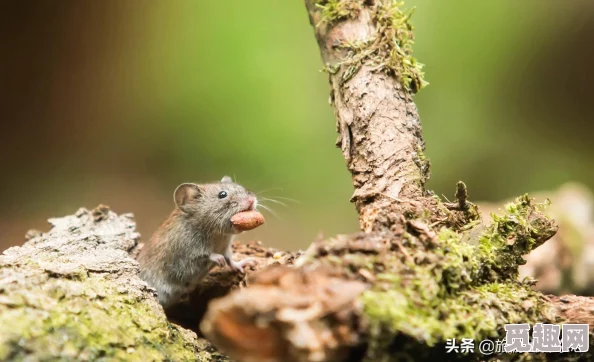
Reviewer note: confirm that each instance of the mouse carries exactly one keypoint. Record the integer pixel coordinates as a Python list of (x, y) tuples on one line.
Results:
[(197, 235)]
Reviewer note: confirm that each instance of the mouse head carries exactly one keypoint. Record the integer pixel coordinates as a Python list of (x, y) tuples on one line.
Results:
[(213, 205)]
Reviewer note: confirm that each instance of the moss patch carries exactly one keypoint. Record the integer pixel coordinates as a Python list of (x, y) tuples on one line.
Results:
[(474, 313), (335, 10), (389, 50), (427, 286), (460, 286), (68, 320), (73, 294)]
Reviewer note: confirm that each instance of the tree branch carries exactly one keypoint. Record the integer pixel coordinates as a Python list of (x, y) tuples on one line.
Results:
[(377, 120)]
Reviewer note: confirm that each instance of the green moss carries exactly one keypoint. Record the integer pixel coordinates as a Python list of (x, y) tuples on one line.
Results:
[(97, 323), (474, 313), (424, 164), (335, 10), (513, 234), (457, 284), (390, 50), (396, 40)]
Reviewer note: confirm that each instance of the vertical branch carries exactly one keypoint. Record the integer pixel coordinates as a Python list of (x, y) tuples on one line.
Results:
[(366, 48)]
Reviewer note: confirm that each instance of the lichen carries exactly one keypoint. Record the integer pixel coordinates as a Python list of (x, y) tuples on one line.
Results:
[(389, 50)]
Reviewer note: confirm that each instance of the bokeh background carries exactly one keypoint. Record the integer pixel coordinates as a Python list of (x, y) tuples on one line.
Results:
[(117, 102)]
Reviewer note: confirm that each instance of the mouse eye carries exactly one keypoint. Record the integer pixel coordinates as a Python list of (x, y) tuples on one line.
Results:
[(222, 194)]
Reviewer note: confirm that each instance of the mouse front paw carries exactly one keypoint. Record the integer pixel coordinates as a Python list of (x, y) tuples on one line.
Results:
[(218, 259), (240, 265)]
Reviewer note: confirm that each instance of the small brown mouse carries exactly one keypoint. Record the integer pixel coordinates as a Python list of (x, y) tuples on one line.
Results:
[(195, 237)]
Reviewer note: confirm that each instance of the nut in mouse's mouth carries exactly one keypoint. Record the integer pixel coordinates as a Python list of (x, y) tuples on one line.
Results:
[(247, 220)]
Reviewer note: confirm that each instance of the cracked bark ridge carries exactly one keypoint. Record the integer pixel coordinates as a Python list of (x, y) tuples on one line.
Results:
[(287, 314), (73, 294), (575, 309), (377, 122)]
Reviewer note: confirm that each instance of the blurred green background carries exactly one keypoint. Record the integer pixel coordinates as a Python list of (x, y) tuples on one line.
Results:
[(117, 102)]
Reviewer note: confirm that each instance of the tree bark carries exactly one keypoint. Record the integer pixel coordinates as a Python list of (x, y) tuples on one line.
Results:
[(376, 119), (73, 294)]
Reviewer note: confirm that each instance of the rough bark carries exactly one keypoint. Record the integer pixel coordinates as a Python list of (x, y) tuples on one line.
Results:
[(359, 297), (376, 119), (73, 294)]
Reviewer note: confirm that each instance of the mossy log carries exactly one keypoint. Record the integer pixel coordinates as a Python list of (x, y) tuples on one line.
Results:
[(397, 296), (73, 294)]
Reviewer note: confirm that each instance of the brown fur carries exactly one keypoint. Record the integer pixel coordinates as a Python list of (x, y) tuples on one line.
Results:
[(196, 236)]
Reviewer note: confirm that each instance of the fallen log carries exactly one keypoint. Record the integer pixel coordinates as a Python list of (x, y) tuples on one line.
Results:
[(73, 294)]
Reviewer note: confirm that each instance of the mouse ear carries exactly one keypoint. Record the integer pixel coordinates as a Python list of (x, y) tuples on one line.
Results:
[(226, 179), (185, 193)]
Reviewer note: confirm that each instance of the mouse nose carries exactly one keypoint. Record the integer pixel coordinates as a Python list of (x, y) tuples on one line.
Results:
[(251, 202)]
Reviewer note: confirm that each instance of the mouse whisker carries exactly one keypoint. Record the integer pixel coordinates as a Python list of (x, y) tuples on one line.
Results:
[(275, 201), (270, 189), (269, 210), (287, 199)]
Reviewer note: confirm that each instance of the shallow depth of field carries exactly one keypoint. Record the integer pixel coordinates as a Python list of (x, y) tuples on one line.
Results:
[(116, 103)]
